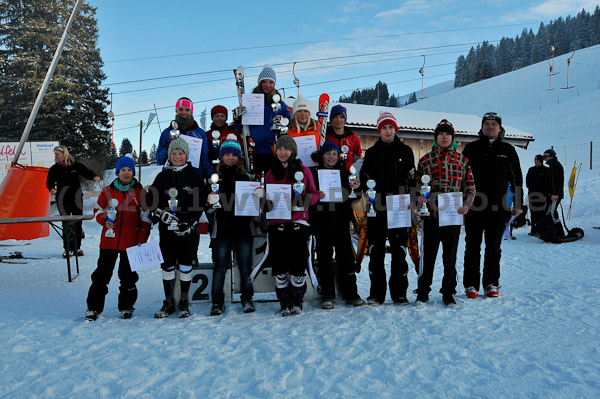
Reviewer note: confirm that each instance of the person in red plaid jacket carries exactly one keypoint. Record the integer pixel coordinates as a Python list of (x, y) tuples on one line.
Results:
[(449, 172)]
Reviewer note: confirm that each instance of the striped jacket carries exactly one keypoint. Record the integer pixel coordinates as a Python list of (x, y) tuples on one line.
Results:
[(450, 172)]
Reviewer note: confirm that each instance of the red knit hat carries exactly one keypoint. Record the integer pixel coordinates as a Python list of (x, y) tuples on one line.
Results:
[(218, 109), (385, 118)]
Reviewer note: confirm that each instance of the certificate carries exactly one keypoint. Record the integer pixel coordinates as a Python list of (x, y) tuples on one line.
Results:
[(195, 145), (330, 183), (255, 109), (306, 146), (281, 195), (246, 203), (448, 205), (398, 214), (145, 255)]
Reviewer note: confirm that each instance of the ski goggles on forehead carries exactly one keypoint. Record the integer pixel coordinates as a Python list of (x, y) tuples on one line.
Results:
[(444, 123), (491, 115), (58, 148)]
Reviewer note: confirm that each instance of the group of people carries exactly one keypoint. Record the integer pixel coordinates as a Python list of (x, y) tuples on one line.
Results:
[(483, 175)]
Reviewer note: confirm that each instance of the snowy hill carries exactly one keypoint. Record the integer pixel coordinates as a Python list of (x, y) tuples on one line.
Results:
[(540, 339)]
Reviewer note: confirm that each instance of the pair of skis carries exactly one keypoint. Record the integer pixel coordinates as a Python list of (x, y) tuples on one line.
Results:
[(239, 83)]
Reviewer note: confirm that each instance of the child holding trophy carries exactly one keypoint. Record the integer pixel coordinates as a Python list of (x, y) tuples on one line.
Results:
[(446, 171), (230, 232), (125, 223), (288, 229), (175, 197), (329, 222), (388, 169)]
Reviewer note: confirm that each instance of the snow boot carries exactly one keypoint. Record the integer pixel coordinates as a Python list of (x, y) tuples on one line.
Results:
[(449, 301), (421, 299), (248, 307), (471, 292), (296, 309), (184, 309), (327, 304), (358, 301), (127, 314), (491, 291), (167, 310), (217, 309), (91, 315), (402, 301)]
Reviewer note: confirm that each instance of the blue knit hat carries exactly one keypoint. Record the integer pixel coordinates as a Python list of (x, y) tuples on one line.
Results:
[(267, 74), (230, 146), (328, 146), (125, 162), (338, 110)]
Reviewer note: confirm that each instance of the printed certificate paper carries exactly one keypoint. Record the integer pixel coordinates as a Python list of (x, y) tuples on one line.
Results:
[(255, 109), (246, 203), (195, 145), (306, 146), (398, 214), (330, 183), (448, 205), (281, 195), (145, 255)]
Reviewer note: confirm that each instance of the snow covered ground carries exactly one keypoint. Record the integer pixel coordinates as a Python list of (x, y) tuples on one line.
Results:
[(539, 339)]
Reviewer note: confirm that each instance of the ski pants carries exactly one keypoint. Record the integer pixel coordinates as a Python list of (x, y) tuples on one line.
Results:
[(221, 252), (477, 224), (377, 233), (101, 277), (288, 246), (67, 208), (339, 239), (432, 235)]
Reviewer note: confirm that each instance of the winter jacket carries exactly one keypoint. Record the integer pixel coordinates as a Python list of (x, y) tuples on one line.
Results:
[(494, 165), (450, 173), (65, 179), (226, 223), (536, 179), (224, 131), (309, 190), (191, 195), (556, 179), (132, 225), (311, 131), (349, 139), (162, 152), (391, 165), (325, 216), (262, 135)]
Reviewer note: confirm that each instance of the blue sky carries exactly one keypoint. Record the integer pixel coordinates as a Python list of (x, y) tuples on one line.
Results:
[(356, 43)]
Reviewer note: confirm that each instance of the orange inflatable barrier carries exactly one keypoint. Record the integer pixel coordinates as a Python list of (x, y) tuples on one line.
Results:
[(23, 193)]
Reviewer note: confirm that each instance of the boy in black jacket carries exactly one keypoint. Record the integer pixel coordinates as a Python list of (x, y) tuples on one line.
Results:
[(330, 223), (391, 164)]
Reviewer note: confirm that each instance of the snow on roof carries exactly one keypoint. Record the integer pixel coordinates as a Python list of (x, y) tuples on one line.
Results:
[(415, 120)]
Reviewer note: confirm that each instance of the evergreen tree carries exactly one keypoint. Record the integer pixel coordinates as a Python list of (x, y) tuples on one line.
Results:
[(73, 110), (152, 155), (112, 159), (393, 101), (126, 147), (144, 158), (135, 157), (412, 98)]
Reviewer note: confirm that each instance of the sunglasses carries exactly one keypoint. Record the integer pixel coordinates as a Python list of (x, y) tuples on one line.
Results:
[(491, 115)]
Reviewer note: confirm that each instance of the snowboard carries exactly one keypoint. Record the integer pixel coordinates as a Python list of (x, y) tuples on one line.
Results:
[(322, 114), (239, 83)]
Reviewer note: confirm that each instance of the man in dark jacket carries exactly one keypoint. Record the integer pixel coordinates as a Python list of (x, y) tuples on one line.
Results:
[(555, 186), (391, 164), (495, 165), (536, 186)]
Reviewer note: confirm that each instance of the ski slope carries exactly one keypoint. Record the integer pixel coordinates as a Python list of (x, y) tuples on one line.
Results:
[(539, 339)]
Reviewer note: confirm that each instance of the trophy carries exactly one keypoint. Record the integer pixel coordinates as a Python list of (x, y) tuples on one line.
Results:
[(284, 122), (351, 178), (425, 189), (344, 154), (216, 142), (111, 214), (371, 194), (214, 179), (173, 207), (174, 130), (298, 189), (276, 107)]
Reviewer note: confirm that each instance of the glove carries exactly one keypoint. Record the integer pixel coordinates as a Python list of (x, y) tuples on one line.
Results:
[(315, 156), (165, 216), (239, 111), (184, 229)]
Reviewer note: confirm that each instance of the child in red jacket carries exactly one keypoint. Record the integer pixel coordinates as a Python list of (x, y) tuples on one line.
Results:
[(131, 226)]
